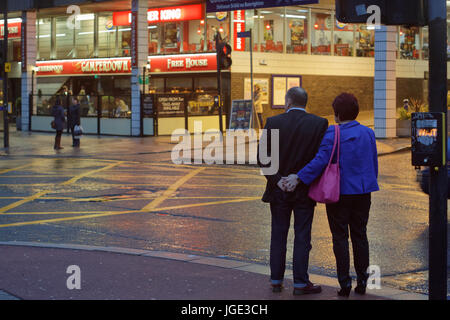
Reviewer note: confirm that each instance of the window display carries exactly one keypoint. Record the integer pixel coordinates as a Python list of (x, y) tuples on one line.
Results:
[(343, 39), (409, 42), (321, 35), (297, 40), (365, 41)]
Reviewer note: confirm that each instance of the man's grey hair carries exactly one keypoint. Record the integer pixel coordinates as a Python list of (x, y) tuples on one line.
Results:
[(298, 96)]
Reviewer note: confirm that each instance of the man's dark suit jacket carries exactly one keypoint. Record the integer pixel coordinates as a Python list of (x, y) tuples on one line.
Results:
[(300, 136)]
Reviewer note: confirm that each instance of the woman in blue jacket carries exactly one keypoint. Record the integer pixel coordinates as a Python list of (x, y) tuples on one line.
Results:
[(358, 166)]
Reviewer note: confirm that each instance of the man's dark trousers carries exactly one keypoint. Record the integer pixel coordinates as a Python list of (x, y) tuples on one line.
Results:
[(281, 215)]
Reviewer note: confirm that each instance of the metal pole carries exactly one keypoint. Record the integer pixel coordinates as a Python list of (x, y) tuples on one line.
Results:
[(438, 176), (219, 82), (255, 116), (31, 108), (141, 109), (5, 79)]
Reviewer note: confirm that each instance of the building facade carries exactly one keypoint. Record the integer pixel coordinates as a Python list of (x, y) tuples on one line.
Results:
[(143, 68)]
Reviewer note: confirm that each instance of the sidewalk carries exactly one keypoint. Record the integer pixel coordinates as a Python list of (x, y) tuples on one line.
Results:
[(41, 144), (38, 271)]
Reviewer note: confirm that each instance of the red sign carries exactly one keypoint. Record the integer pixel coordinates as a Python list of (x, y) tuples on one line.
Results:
[(172, 63), (14, 30), (169, 14), (239, 26), (84, 67), (184, 63)]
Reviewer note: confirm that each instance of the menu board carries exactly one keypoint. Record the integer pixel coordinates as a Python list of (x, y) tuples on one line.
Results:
[(241, 115), (280, 86), (172, 105), (148, 105)]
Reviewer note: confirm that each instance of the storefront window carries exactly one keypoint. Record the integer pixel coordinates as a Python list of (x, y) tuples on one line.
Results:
[(107, 37), (272, 29), (124, 41), (171, 37), (179, 85), (425, 42), (153, 39), (85, 36), (365, 41), (218, 22), (44, 35), (297, 31), (343, 39), (193, 36), (321, 33), (64, 39), (409, 43)]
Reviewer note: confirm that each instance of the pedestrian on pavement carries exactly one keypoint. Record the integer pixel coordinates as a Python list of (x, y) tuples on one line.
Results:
[(58, 123), (300, 134), (358, 165), (75, 120)]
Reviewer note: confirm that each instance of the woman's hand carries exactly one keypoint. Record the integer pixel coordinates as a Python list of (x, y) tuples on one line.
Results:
[(290, 182)]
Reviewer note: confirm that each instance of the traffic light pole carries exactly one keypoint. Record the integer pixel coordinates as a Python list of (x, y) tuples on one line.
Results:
[(437, 15), (219, 83), (5, 80)]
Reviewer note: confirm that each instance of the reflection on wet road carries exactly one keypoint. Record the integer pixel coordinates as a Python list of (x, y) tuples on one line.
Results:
[(206, 210)]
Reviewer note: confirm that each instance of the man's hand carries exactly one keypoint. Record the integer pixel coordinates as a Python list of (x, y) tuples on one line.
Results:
[(290, 182), (281, 185)]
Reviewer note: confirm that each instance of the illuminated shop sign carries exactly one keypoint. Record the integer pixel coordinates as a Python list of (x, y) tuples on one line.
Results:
[(84, 67), (14, 30), (170, 14), (239, 26), (172, 63)]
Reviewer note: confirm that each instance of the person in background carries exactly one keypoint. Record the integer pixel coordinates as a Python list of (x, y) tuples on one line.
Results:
[(358, 165), (75, 119), (257, 96), (59, 120), (121, 108)]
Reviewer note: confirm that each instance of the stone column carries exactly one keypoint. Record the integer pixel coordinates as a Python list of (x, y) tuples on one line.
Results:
[(385, 95), (29, 53), (139, 58)]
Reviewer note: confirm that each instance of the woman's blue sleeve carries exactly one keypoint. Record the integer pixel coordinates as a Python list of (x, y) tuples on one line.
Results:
[(315, 168)]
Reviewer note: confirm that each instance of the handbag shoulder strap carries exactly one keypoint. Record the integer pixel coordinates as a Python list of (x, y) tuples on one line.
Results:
[(336, 144)]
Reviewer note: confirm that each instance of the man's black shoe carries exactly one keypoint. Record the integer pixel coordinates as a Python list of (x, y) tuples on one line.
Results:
[(277, 288), (309, 289)]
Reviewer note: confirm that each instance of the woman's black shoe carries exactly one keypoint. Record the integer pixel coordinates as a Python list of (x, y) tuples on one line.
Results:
[(345, 292)]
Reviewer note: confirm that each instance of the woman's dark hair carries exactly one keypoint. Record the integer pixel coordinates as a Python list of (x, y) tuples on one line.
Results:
[(346, 107)]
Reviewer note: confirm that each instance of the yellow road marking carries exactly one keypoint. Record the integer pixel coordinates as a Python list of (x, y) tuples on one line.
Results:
[(14, 169), (44, 192), (110, 214), (170, 191), (83, 175)]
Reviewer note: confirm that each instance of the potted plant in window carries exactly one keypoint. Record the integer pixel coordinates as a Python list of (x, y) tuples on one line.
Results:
[(404, 115)]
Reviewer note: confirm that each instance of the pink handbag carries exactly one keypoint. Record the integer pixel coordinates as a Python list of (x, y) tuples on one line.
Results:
[(326, 188)]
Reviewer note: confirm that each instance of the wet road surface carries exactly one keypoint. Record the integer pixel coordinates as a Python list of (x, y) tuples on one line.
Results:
[(147, 202)]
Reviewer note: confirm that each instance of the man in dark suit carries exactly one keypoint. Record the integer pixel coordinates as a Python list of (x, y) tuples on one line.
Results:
[(300, 135)]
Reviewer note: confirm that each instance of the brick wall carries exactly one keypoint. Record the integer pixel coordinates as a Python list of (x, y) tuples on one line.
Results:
[(323, 89)]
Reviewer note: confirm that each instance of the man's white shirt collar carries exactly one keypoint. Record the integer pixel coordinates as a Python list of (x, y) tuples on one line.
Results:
[(301, 109)]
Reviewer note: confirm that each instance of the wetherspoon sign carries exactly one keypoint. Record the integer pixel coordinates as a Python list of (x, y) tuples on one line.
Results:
[(173, 63), (231, 5)]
